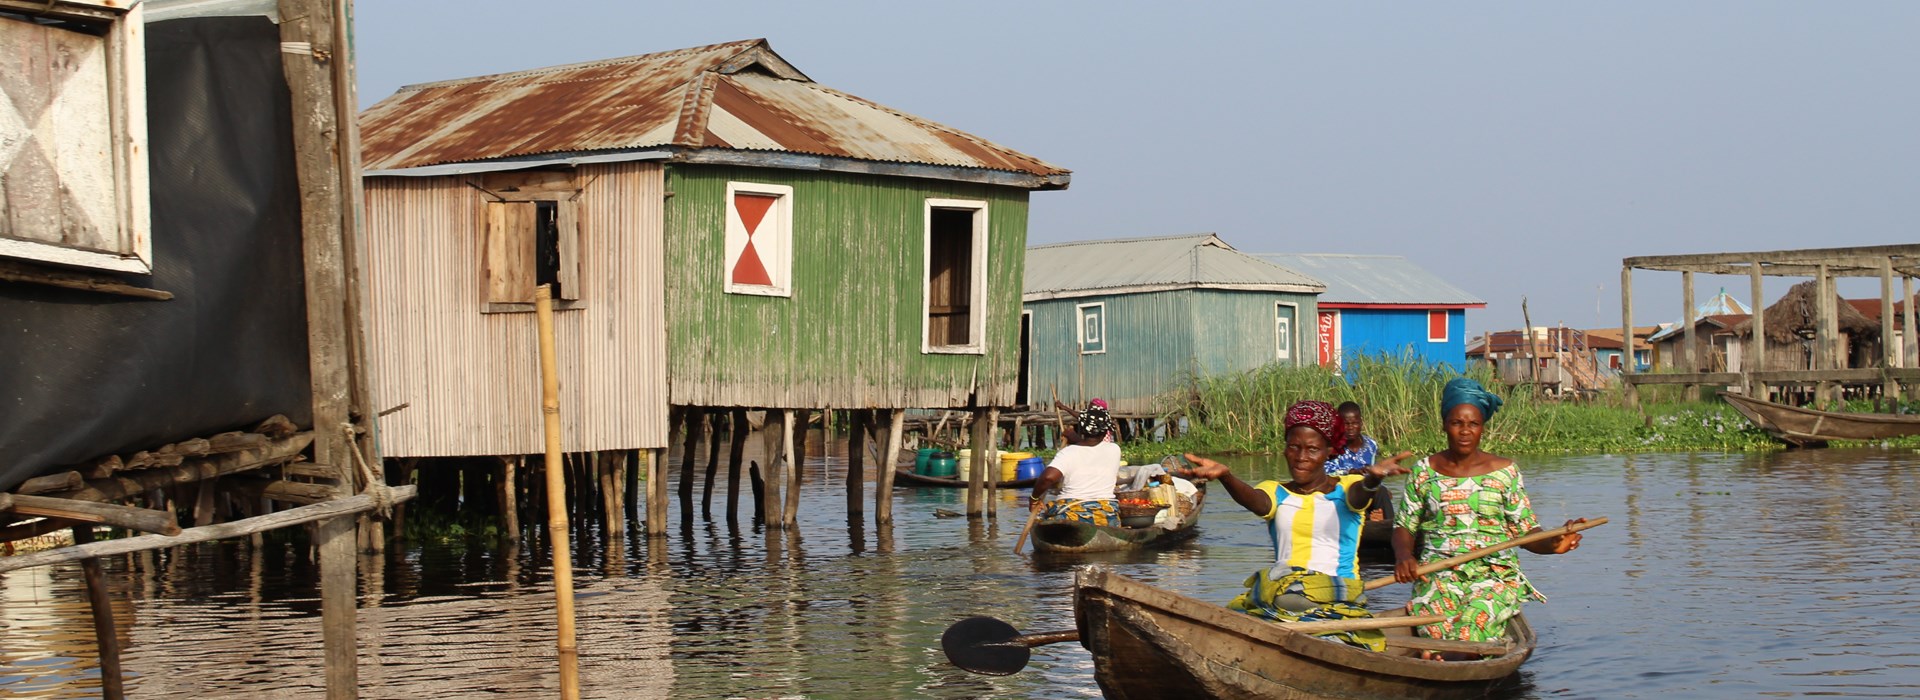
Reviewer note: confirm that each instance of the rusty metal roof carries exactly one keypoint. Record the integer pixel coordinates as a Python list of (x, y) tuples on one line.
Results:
[(738, 97)]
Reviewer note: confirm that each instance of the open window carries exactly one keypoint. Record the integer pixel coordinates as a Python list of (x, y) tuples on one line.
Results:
[(759, 239), (955, 292), (533, 238), (1092, 331), (73, 152)]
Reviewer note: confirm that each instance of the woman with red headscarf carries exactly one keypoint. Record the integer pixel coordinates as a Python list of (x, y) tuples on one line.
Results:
[(1314, 523)]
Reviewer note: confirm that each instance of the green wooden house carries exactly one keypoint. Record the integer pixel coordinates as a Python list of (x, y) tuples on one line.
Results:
[(1127, 319)]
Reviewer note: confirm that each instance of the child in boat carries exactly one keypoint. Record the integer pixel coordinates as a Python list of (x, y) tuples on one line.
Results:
[(1360, 451), (1314, 522), (1084, 471)]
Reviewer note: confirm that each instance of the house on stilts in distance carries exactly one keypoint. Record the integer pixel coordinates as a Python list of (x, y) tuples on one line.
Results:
[(1127, 319), (726, 234)]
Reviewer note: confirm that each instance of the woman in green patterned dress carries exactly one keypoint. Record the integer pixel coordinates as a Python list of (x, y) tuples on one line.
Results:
[(1458, 500)]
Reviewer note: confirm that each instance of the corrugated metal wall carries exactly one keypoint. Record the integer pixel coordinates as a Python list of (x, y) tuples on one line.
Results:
[(1157, 339), (849, 336), (472, 379), (1393, 331)]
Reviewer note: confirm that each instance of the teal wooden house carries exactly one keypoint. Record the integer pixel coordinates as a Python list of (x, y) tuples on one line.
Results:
[(1127, 319)]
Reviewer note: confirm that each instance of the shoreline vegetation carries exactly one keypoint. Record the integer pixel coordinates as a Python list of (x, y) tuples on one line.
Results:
[(1241, 414)]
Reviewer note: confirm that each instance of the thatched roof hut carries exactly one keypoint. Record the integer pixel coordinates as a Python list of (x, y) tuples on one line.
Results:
[(1795, 312)]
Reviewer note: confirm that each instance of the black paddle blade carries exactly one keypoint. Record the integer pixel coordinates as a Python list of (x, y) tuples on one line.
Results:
[(985, 645)]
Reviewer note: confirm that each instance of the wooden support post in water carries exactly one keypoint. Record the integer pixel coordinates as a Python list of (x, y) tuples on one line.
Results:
[(737, 434), (509, 496), (657, 492), (856, 463), (1757, 362), (791, 463), (712, 430), (883, 475), (1910, 350), (977, 472), (1629, 366), (990, 464), (557, 531), (1690, 352), (112, 682), (803, 418), (771, 476), (694, 417), (1823, 344), (612, 462), (1890, 389)]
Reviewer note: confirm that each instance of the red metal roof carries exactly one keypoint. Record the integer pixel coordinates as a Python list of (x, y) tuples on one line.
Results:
[(737, 96)]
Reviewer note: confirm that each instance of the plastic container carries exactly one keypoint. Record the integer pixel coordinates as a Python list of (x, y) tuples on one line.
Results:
[(942, 466), (1030, 468), (1010, 464), (921, 459)]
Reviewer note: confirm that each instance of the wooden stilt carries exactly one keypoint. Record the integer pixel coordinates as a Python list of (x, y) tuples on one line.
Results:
[(976, 467), (712, 430), (759, 485), (1629, 366), (1890, 387), (802, 419), (557, 530), (737, 434), (1757, 347), (112, 683), (657, 492), (883, 472), (610, 465), (1690, 353), (694, 417), (508, 496), (856, 464), (790, 513), (773, 477), (989, 464)]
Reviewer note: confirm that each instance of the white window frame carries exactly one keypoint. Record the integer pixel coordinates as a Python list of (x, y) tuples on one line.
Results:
[(977, 308), (1446, 325), (125, 66), (1080, 327), (1285, 353), (777, 257)]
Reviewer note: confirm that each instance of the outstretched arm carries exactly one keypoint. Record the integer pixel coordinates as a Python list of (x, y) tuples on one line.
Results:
[(1250, 498), (1362, 498)]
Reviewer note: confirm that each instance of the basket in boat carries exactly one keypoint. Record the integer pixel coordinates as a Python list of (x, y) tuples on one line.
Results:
[(1138, 515)]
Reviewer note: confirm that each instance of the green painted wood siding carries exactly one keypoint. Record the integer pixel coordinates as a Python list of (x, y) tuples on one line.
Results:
[(850, 334), (1155, 340)]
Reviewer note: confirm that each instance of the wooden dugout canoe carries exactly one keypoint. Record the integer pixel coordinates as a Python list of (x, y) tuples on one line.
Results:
[(906, 477), (1074, 537), (1149, 643), (1805, 426)]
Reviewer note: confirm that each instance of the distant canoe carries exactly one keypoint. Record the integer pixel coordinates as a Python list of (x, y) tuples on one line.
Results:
[(1806, 427), (1075, 537), (906, 477)]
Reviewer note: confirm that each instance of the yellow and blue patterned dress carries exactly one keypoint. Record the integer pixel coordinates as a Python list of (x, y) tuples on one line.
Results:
[(1454, 516)]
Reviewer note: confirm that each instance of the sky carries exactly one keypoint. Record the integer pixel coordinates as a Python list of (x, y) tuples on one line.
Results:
[(1518, 150)]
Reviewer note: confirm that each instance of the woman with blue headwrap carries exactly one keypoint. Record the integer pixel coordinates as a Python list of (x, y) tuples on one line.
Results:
[(1461, 499)]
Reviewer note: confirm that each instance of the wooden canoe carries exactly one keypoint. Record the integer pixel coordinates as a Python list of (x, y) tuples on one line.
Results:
[(1074, 537), (906, 477), (1807, 427), (1150, 643)]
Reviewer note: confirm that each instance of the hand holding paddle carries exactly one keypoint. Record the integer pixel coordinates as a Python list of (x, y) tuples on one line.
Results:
[(1405, 571)]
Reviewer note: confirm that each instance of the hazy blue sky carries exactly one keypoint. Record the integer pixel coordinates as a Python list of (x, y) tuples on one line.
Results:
[(1514, 148)]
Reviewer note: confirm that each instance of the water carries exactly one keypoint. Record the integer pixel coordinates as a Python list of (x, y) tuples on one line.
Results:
[(1720, 575)]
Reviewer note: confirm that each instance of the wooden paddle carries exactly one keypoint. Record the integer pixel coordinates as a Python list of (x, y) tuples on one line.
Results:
[(1451, 562), (1032, 515), (990, 646)]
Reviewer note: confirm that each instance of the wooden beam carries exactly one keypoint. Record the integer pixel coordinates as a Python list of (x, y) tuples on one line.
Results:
[(1804, 255), (27, 274), (296, 516), (63, 481), (112, 681), (128, 517), (129, 483), (1688, 378), (280, 490)]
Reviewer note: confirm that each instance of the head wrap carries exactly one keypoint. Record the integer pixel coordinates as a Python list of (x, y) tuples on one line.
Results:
[(1098, 403), (1093, 423), (1463, 390), (1320, 416)]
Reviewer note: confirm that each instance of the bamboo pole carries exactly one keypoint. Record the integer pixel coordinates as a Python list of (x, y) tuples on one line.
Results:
[(112, 683), (883, 476), (557, 497)]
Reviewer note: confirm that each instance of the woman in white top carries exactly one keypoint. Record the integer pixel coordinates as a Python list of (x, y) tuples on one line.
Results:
[(1084, 472)]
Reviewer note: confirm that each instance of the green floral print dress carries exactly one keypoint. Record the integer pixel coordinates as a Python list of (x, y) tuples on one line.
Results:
[(1453, 516)]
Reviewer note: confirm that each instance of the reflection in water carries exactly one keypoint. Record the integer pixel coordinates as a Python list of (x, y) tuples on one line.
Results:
[(1721, 576)]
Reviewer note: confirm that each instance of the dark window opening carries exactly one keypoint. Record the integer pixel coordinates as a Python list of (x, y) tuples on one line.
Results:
[(950, 278), (546, 246)]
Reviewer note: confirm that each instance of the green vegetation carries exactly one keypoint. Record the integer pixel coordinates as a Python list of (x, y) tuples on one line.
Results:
[(1241, 413)]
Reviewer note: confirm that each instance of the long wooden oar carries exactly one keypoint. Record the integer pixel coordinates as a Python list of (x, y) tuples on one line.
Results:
[(1454, 561), (990, 646), (1032, 515)]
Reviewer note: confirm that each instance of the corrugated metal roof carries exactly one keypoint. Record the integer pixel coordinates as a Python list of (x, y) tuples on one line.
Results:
[(1721, 304), (1126, 265), (1373, 279), (738, 96)]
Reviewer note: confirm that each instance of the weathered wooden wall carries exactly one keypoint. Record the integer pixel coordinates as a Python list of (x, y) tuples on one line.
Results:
[(472, 379), (850, 334)]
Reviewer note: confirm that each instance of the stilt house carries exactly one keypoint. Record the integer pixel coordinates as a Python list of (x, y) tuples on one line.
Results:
[(1126, 319), (724, 232)]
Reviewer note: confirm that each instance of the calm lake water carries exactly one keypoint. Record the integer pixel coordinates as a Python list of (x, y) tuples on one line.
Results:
[(1721, 575)]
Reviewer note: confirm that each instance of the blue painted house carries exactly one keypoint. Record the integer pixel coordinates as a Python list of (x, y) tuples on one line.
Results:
[(1127, 319), (1384, 304)]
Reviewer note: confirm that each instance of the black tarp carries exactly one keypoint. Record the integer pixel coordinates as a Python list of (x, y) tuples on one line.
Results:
[(84, 375)]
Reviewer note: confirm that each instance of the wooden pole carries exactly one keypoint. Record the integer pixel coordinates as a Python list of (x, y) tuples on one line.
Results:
[(977, 472), (1890, 389), (557, 531), (712, 430), (1689, 353), (611, 464), (694, 417), (990, 464), (129, 517), (1629, 367), (737, 432), (1758, 346), (112, 682), (883, 475), (791, 464), (856, 462), (772, 478), (657, 492), (1910, 344), (1533, 354), (1823, 346)]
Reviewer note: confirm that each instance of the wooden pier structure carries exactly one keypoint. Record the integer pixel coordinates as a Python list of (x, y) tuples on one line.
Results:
[(1832, 368)]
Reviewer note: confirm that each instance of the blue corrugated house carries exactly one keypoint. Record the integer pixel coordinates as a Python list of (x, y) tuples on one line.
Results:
[(1384, 304), (1126, 319)]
